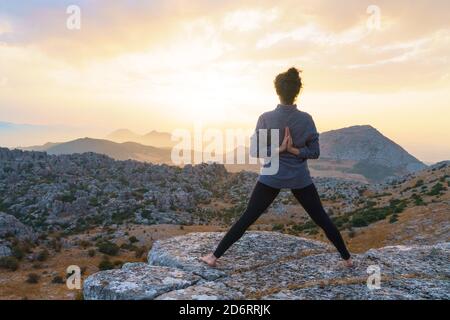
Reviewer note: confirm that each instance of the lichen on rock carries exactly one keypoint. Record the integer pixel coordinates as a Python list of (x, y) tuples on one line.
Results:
[(269, 265), (254, 249), (136, 281)]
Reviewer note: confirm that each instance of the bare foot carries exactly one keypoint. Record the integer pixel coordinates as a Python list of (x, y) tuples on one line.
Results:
[(348, 263), (210, 260)]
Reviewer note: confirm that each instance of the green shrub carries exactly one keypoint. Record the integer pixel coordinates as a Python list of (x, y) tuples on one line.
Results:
[(17, 252), (91, 252), (418, 201), (42, 255), (312, 231), (133, 239), (119, 217), (278, 227), (58, 280), (310, 225), (419, 183), (394, 218), (359, 221), (436, 189), (105, 264), (397, 205), (9, 263), (33, 278), (108, 248), (67, 197), (340, 221), (128, 246)]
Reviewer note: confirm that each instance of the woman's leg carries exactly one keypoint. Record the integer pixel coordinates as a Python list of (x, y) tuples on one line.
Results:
[(261, 198), (310, 200)]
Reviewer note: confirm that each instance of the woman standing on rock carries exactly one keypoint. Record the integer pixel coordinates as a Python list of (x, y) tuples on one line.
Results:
[(299, 143)]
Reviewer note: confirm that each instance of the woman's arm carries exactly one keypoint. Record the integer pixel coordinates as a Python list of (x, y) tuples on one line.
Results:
[(311, 149), (255, 151), (265, 148)]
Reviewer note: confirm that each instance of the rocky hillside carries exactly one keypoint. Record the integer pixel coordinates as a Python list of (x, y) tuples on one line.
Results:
[(377, 156), (118, 151), (410, 210), (267, 265), (79, 191), (75, 192)]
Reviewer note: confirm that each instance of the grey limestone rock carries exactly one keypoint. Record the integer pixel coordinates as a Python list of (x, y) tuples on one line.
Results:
[(269, 265)]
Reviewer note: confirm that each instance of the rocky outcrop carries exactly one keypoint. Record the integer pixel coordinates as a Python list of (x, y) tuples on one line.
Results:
[(137, 281), (267, 265), (10, 226), (56, 193), (5, 251)]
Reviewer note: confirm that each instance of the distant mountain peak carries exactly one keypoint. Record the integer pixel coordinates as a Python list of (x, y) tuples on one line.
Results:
[(122, 130), (153, 138), (357, 128), (366, 144)]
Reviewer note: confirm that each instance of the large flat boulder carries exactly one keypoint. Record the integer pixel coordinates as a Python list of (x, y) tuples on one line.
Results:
[(268, 265), (253, 250), (401, 289), (424, 263), (136, 281), (210, 290)]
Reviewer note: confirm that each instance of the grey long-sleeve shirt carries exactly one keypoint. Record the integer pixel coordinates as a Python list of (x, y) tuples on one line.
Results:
[(293, 172)]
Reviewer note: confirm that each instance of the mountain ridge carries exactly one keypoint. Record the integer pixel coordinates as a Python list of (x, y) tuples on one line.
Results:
[(370, 154), (152, 138)]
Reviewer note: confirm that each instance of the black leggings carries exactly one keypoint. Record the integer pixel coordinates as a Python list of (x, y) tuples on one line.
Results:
[(263, 196)]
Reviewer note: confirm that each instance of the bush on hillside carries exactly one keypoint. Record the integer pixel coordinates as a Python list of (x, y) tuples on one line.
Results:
[(108, 247), (9, 263)]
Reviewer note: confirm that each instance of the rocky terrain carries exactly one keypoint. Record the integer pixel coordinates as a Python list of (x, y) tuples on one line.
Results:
[(79, 191), (296, 268), (11, 227), (97, 212)]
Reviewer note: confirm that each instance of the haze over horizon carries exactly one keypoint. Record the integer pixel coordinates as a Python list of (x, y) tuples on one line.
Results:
[(215, 62)]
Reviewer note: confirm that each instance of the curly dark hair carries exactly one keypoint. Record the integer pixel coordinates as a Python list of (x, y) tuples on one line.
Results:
[(288, 85)]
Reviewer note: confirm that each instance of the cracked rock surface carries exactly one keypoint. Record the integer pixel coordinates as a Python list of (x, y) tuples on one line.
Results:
[(136, 281), (269, 265)]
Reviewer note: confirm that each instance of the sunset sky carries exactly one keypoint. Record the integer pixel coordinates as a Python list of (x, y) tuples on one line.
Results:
[(146, 65)]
